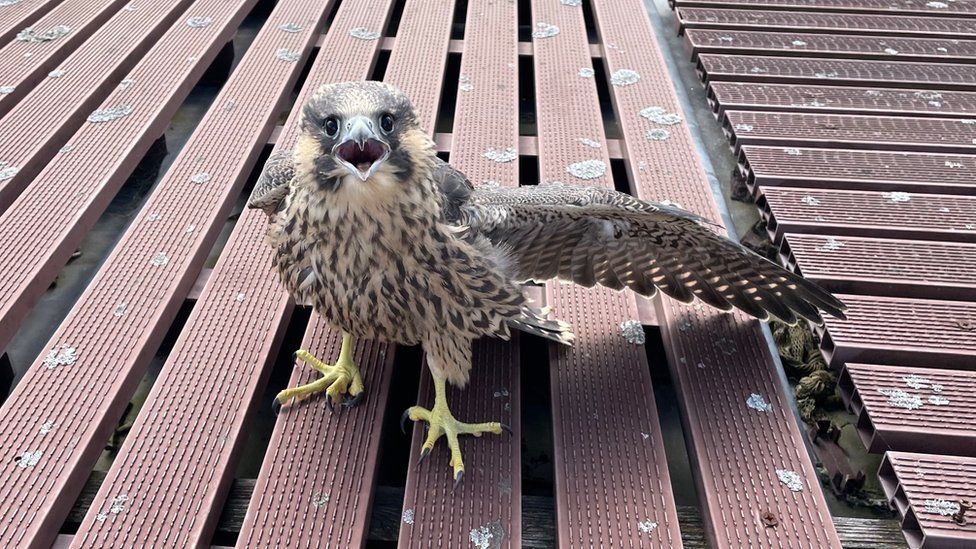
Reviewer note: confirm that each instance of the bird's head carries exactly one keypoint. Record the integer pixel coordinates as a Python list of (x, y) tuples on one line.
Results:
[(361, 133)]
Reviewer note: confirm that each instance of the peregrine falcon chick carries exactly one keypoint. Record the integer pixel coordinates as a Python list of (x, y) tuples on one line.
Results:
[(388, 242)]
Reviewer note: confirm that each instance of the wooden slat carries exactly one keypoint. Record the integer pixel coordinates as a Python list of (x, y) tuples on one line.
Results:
[(33, 129), (23, 64), (15, 16), (486, 116), (923, 488), (901, 331), (717, 361), (913, 7), (867, 213), (884, 266), (611, 471), (124, 314), (912, 409)]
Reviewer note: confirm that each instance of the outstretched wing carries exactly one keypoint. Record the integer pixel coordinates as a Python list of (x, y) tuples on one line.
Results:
[(598, 236), (272, 186)]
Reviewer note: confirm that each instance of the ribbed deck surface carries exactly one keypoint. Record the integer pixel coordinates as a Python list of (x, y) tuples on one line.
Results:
[(73, 190), (927, 490), (831, 45), (124, 314), (611, 471), (717, 361), (789, 21), (489, 497), (883, 266), (33, 129), (23, 63), (894, 173), (853, 132), (921, 7), (768, 97), (903, 331), (912, 409), (868, 213), (849, 72), (15, 15)]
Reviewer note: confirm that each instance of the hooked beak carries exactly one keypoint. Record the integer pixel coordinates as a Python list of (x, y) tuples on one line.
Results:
[(360, 149)]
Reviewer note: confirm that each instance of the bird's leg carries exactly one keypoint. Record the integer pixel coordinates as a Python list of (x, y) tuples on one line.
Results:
[(442, 423), (337, 379)]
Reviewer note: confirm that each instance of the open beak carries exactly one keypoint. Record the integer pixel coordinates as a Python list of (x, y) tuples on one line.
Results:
[(360, 149)]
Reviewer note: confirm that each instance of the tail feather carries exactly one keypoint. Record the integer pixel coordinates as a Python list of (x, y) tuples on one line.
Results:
[(534, 321)]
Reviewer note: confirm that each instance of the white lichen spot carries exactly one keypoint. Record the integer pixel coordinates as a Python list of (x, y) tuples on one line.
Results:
[(126, 84), (645, 436), (320, 499), (489, 535), (757, 70), (101, 517), (190, 228), (938, 400), (119, 311), (363, 33), (928, 95), (969, 121), (873, 93), (7, 171), (200, 178), (199, 22), (757, 402), (935, 103), (936, 387), (571, 2), (544, 30), (4, 90), (657, 134), (129, 7), (153, 217), (941, 507), (586, 72), (700, 365), (725, 345), (408, 515), (950, 164), (902, 399), (624, 77), (743, 127), (891, 51), (916, 381), (791, 479), (118, 504), (31, 35), (937, 5), (646, 526), (944, 210), (159, 260), (464, 83), (503, 393), (56, 73), (830, 74), (29, 459), (5, 3), (284, 54), (47, 427), (633, 332), (896, 196), (942, 50), (501, 156), (589, 142), (62, 355), (587, 169), (799, 43), (830, 244), (109, 114), (290, 27), (240, 297), (66, 149), (810, 200), (726, 39), (683, 325), (660, 116)]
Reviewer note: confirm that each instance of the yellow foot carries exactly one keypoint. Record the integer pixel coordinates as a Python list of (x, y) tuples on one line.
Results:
[(442, 423), (337, 380)]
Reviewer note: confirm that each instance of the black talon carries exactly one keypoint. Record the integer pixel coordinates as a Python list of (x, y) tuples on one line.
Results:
[(276, 406), (354, 401), (403, 421), (457, 480), (328, 402), (423, 454), (506, 428)]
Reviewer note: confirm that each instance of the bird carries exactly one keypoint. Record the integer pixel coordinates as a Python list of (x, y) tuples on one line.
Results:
[(389, 242)]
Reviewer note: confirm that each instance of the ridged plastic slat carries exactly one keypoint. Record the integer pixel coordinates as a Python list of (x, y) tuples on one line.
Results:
[(885, 266), (912, 409), (790, 21), (33, 129), (14, 17), (848, 72), (902, 331), (889, 172), (850, 131), (868, 213), (73, 190), (750, 96), (601, 495), (926, 490), (124, 314), (831, 45), (23, 64), (717, 361), (915, 7), (486, 116)]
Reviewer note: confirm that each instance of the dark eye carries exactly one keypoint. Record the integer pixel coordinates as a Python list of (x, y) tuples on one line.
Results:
[(331, 126), (386, 122)]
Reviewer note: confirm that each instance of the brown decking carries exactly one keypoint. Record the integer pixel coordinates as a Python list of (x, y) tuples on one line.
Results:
[(867, 188)]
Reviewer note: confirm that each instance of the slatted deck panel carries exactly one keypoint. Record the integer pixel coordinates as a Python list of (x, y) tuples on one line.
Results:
[(489, 497), (15, 15), (891, 402), (927, 491), (860, 157), (717, 360)]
